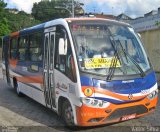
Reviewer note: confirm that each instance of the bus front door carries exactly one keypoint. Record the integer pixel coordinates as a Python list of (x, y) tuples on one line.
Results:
[(49, 85)]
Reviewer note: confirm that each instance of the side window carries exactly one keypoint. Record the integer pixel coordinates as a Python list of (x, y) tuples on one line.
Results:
[(13, 48), (46, 52), (35, 47), (64, 63), (52, 39), (70, 66), (59, 59), (22, 46)]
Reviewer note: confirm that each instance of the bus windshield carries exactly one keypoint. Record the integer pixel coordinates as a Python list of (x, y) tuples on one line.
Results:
[(100, 47)]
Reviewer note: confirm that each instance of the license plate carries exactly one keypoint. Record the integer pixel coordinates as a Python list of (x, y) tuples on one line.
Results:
[(128, 117)]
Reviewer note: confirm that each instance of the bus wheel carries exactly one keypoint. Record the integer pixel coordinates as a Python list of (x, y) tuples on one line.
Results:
[(17, 88), (68, 114)]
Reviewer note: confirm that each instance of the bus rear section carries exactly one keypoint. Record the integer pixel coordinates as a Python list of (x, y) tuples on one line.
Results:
[(117, 79)]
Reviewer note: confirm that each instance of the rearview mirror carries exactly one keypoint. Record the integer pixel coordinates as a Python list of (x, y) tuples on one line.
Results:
[(62, 46)]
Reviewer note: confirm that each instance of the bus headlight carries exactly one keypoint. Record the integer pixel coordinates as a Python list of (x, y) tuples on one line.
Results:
[(153, 95), (91, 102)]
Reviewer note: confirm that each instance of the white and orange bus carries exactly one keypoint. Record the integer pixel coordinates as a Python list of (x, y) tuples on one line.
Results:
[(90, 71)]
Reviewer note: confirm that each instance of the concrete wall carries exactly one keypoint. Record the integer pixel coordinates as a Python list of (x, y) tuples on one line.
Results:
[(151, 40)]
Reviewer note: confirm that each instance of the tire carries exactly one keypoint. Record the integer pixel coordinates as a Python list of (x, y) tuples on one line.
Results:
[(67, 114), (17, 88)]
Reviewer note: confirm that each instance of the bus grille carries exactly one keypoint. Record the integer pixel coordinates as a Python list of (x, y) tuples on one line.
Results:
[(139, 109)]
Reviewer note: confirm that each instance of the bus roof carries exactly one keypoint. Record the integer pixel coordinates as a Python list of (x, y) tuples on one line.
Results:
[(42, 26), (94, 19), (32, 29)]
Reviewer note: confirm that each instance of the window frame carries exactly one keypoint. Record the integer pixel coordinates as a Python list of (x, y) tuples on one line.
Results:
[(15, 49), (25, 47), (40, 45), (57, 56)]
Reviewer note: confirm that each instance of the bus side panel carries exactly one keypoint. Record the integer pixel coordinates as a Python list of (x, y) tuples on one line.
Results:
[(33, 92), (64, 87), (26, 64), (29, 83)]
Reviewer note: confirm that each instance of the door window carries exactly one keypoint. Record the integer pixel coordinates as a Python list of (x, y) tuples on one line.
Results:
[(52, 40), (64, 63)]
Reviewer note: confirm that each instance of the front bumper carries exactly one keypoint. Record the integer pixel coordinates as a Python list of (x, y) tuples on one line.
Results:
[(88, 116)]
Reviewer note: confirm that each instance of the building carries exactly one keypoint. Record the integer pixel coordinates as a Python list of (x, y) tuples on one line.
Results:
[(149, 28), (123, 17), (105, 16), (153, 12)]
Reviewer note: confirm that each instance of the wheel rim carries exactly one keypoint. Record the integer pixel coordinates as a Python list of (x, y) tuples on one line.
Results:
[(69, 115)]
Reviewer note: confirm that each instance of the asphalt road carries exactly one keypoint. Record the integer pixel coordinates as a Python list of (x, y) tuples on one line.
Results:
[(24, 114)]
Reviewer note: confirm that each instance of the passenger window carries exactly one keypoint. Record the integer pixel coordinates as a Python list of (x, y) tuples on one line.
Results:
[(35, 50), (23, 42), (13, 48)]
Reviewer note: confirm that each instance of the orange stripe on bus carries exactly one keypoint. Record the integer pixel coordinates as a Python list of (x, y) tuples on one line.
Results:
[(14, 34), (106, 92), (114, 95), (30, 79), (13, 63)]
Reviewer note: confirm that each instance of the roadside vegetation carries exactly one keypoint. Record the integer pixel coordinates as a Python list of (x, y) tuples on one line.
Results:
[(12, 20)]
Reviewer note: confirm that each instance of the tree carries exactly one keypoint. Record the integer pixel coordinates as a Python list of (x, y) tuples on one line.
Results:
[(4, 27), (2, 6), (18, 20), (47, 10), (13, 20)]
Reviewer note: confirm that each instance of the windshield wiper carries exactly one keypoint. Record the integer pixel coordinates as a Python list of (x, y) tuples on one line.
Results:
[(116, 58), (113, 62), (112, 68), (134, 62)]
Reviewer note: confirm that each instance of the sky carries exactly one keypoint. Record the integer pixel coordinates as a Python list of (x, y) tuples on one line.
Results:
[(132, 8)]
